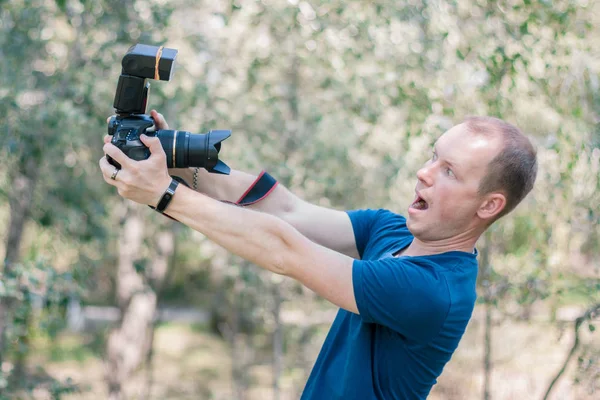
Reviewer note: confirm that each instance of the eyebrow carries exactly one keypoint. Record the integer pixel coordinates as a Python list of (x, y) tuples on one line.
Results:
[(454, 166)]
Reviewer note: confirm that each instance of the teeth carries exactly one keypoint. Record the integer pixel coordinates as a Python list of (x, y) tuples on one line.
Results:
[(420, 205)]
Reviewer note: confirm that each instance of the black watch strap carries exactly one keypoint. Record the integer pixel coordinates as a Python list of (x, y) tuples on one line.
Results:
[(167, 196)]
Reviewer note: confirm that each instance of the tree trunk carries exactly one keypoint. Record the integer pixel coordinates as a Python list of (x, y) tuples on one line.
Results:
[(486, 274), (232, 330), (128, 343), (165, 251), (20, 202), (277, 340), (22, 317), (305, 363), (487, 357)]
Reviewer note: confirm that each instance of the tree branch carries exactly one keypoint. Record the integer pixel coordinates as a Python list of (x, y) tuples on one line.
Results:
[(588, 314)]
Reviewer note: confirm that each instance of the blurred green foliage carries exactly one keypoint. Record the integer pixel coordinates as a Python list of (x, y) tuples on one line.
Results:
[(340, 100)]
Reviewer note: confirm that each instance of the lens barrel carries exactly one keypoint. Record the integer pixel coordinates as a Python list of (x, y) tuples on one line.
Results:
[(185, 149)]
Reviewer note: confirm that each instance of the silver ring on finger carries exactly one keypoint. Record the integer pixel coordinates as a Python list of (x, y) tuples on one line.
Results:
[(114, 174)]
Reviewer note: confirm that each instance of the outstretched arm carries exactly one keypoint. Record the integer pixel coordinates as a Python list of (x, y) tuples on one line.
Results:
[(327, 227), (270, 243), (263, 239)]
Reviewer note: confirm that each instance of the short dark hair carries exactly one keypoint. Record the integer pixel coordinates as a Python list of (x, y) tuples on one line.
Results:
[(514, 169)]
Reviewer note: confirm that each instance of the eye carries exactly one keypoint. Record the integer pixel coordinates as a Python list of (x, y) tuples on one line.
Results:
[(449, 172), (434, 156)]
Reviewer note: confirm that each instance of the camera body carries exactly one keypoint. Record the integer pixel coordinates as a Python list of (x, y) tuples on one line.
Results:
[(183, 149)]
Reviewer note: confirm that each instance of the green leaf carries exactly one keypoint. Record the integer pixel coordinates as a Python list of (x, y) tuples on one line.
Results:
[(140, 266), (62, 4)]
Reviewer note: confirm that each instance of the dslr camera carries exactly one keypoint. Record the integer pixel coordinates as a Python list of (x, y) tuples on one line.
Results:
[(183, 149)]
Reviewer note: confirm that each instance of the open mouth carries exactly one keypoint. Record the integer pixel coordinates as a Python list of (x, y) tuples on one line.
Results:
[(419, 204)]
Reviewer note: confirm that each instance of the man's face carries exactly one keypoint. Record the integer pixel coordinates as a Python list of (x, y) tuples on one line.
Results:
[(447, 199)]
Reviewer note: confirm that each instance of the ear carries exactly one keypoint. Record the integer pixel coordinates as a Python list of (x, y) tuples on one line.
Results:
[(492, 205)]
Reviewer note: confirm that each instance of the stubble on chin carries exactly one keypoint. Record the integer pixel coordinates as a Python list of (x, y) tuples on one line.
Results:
[(413, 228)]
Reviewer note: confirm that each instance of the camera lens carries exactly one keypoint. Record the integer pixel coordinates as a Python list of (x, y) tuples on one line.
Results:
[(185, 149)]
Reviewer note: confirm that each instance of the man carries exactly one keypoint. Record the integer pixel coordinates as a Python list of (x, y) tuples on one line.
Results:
[(405, 287)]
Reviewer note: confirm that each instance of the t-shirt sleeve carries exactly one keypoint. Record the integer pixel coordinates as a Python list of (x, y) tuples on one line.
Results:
[(362, 224), (409, 298)]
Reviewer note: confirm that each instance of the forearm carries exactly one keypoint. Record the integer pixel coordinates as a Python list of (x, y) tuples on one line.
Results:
[(218, 186), (231, 187), (257, 237), (325, 226)]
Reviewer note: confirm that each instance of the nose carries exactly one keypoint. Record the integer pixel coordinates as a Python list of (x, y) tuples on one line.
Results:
[(424, 174)]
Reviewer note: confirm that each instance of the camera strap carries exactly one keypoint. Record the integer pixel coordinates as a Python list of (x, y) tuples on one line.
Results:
[(260, 188)]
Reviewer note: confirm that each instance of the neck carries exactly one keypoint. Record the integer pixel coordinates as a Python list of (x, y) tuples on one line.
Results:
[(463, 242)]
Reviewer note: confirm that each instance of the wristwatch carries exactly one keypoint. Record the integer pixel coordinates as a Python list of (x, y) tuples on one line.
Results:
[(166, 197)]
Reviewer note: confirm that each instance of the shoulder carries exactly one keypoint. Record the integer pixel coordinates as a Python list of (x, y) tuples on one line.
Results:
[(378, 231), (377, 218), (390, 220)]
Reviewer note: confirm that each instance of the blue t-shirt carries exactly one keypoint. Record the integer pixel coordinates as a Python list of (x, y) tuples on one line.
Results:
[(413, 313)]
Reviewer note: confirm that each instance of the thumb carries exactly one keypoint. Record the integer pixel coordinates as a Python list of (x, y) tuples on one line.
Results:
[(153, 143)]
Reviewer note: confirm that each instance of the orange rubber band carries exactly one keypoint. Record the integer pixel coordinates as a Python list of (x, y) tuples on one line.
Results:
[(158, 56)]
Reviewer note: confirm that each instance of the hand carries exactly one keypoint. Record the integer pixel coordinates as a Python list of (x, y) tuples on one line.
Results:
[(159, 121), (141, 181)]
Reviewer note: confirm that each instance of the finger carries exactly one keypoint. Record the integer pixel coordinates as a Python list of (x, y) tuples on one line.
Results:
[(153, 143), (159, 119), (107, 139), (107, 170), (116, 153)]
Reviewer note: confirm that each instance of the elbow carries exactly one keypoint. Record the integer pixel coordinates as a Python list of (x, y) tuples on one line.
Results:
[(288, 207), (284, 260), (280, 262), (291, 205), (280, 266)]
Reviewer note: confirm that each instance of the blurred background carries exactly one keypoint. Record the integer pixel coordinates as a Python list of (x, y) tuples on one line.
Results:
[(341, 101)]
